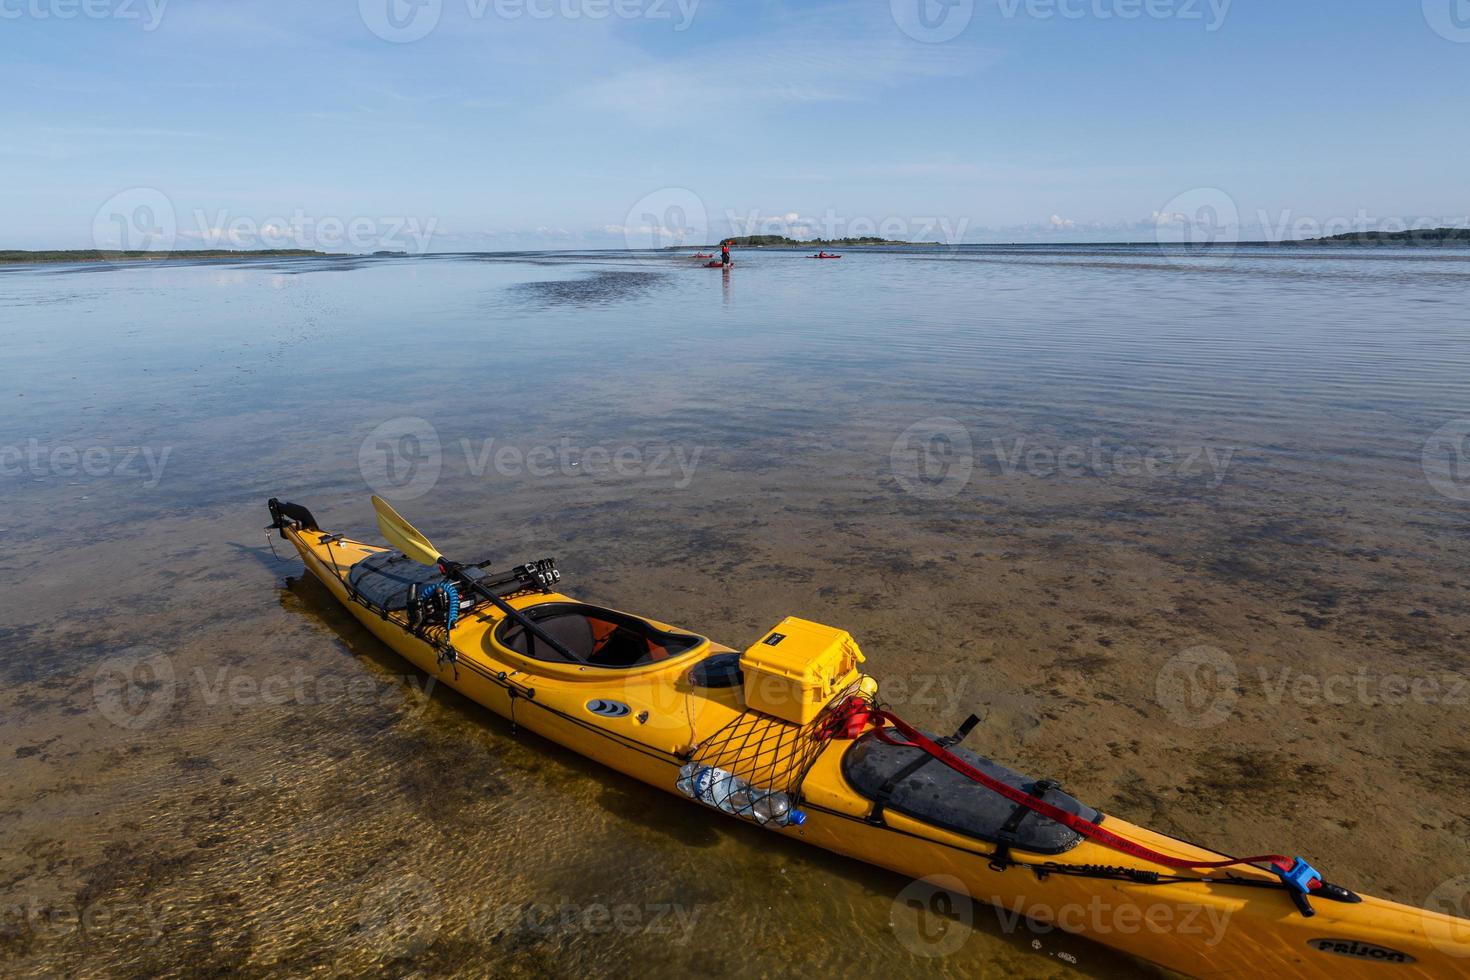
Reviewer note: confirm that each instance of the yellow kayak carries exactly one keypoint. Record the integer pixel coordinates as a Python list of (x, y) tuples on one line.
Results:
[(789, 734)]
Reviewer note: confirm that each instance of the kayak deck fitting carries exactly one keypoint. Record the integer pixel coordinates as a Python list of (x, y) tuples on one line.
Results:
[(791, 735)]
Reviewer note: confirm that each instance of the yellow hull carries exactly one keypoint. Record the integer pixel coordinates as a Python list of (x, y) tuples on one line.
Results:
[(1200, 929)]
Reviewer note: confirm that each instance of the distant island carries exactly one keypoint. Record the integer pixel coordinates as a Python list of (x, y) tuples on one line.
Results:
[(1421, 236), (17, 256), (781, 241)]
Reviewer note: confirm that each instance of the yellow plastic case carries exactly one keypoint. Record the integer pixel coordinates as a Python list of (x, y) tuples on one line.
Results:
[(796, 668)]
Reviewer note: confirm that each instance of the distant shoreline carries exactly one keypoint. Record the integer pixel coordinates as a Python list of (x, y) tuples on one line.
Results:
[(1422, 238), (1425, 239)]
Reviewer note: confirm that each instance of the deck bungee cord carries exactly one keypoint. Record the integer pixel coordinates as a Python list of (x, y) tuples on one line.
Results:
[(1297, 876)]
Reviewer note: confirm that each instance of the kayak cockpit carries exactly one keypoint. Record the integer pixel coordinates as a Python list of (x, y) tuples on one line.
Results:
[(595, 636)]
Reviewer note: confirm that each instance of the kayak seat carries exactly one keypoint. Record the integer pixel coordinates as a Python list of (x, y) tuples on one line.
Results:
[(596, 637), (936, 794)]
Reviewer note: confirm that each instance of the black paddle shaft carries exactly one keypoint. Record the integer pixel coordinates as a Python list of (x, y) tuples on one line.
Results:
[(456, 571)]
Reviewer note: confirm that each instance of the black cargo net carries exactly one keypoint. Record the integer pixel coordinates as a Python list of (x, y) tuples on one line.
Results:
[(767, 752)]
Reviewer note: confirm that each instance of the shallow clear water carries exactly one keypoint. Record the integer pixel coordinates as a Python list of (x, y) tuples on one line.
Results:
[(1028, 480)]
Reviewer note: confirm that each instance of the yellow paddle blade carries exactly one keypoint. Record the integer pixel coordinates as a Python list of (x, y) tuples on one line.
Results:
[(403, 535)]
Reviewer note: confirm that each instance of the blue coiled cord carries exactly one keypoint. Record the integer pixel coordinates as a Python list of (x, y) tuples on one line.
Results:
[(451, 616)]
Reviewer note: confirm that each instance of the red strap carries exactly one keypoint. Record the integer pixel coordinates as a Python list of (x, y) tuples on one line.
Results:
[(1086, 828)]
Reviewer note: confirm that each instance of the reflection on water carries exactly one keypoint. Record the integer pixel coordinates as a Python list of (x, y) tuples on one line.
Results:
[(1026, 479)]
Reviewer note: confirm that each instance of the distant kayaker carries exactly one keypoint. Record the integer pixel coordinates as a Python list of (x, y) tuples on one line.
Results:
[(725, 254)]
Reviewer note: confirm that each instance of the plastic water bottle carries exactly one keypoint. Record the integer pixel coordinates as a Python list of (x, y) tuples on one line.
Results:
[(725, 791), (713, 787), (776, 808)]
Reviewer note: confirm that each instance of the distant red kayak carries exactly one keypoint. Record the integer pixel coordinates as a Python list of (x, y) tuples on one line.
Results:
[(824, 256), (704, 255)]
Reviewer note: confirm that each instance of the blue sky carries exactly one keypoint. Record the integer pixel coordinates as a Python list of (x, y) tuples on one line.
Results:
[(604, 123)]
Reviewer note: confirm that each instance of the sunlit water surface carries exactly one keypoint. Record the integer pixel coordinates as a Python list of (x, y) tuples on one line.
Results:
[(1026, 479)]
